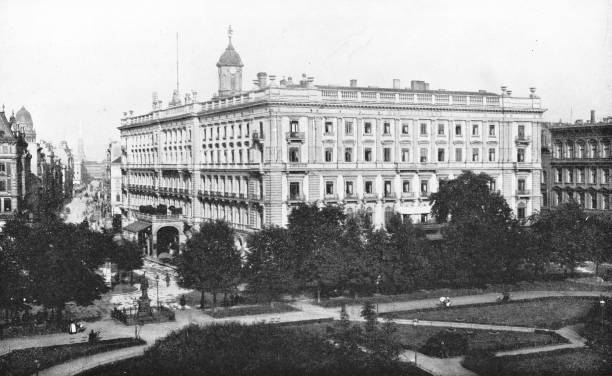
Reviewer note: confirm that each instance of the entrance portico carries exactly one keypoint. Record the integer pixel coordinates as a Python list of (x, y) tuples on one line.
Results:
[(157, 233)]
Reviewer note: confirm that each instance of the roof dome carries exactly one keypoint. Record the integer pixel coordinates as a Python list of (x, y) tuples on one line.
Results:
[(230, 58), (23, 116)]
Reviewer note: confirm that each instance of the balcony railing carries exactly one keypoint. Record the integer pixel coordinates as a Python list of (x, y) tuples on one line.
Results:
[(296, 136), (523, 192), (297, 198), (407, 194)]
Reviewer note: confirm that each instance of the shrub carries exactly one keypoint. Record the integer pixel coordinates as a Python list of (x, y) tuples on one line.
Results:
[(445, 344)]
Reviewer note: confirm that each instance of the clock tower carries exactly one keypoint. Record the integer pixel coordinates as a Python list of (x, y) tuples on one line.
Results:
[(230, 70)]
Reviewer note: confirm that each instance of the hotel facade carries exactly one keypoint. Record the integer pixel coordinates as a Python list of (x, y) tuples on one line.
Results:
[(248, 157)]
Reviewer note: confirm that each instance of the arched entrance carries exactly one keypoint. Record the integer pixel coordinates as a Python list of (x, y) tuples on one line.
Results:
[(167, 240)]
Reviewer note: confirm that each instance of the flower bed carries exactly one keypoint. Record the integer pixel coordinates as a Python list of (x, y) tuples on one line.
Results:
[(251, 310), (23, 362)]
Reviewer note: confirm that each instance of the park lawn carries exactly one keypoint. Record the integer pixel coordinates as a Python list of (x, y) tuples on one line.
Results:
[(22, 362), (250, 310), (436, 293), (415, 337), (566, 362), (551, 313)]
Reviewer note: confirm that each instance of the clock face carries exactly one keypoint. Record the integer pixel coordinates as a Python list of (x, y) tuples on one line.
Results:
[(232, 70)]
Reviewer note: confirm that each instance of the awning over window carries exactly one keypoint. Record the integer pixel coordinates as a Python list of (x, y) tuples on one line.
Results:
[(137, 226)]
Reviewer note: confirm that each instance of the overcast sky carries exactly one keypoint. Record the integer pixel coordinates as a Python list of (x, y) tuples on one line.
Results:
[(80, 64)]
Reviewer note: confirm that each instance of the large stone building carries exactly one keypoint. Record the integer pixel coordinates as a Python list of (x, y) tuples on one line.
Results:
[(579, 164), (249, 156)]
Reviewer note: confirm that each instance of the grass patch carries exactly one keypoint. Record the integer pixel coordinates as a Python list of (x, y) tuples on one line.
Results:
[(436, 293), (251, 310), (416, 337), (22, 362), (566, 362), (550, 313)]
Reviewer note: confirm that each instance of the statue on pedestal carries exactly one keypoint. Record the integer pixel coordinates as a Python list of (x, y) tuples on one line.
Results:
[(144, 303)]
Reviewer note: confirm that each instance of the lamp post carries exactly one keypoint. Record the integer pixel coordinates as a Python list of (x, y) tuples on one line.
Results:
[(157, 286), (415, 323), (602, 303)]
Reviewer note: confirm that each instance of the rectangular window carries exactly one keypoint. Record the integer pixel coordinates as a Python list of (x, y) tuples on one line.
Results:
[(521, 185), (440, 129), (581, 175), (521, 213), (367, 155), (605, 176), (423, 155), (558, 176), (7, 205), (294, 154), (594, 201), (570, 176), (387, 154), (348, 154), (521, 132), (405, 155), (458, 130), (294, 190), (2, 167), (492, 185), (424, 187), (406, 186), (329, 154), (475, 130), (367, 127), (520, 155), (386, 128), (492, 130), (295, 126), (348, 128), (329, 188), (423, 129), (329, 128), (458, 155), (388, 190), (2, 185), (440, 155), (405, 128), (348, 188), (491, 155), (475, 155), (368, 187)]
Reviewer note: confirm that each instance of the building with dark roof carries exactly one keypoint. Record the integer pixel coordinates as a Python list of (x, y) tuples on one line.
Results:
[(580, 163), (248, 157)]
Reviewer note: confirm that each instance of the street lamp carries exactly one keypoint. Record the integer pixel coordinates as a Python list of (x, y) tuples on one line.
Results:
[(415, 322), (602, 303), (157, 285)]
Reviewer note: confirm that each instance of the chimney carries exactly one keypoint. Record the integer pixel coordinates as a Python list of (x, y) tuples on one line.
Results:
[(353, 83), (396, 83), (592, 116), (262, 78), (272, 80)]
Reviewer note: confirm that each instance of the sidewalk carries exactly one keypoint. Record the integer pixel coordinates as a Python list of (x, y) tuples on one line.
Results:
[(436, 366)]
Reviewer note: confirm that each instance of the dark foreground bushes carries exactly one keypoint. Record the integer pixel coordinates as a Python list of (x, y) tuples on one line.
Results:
[(234, 349)]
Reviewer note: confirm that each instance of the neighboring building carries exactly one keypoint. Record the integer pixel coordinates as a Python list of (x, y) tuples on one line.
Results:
[(92, 170), (112, 180), (25, 125), (66, 159), (581, 164), (14, 168), (78, 164), (249, 156)]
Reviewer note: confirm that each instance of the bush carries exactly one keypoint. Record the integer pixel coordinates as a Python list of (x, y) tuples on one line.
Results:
[(446, 344)]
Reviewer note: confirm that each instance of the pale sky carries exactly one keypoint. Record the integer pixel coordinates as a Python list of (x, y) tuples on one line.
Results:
[(81, 64)]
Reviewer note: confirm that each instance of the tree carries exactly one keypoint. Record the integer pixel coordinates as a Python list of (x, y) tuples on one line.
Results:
[(128, 257), (270, 269), (405, 264), (210, 261), (469, 196), (357, 268), (315, 232), (481, 233), (562, 232)]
